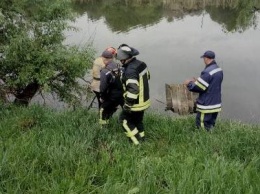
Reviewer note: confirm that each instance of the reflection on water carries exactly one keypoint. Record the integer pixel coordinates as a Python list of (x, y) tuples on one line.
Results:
[(171, 35), (123, 15)]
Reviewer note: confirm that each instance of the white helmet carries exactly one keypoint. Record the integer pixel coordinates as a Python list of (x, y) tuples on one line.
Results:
[(125, 52)]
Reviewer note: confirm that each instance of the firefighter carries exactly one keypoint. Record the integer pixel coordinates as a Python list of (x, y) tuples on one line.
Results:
[(136, 93), (111, 89), (98, 64), (208, 85)]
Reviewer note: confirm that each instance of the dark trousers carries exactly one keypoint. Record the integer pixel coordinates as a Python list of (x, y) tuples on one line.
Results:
[(206, 120), (133, 125), (108, 108)]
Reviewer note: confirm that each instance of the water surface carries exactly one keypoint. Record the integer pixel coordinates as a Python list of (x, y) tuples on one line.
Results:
[(172, 35)]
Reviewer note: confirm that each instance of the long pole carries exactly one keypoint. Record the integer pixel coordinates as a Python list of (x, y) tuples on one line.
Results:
[(90, 105)]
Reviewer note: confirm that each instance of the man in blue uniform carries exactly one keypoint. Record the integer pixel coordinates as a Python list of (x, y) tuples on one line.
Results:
[(136, 92), (111, 89), (98, 65), (208, 85)]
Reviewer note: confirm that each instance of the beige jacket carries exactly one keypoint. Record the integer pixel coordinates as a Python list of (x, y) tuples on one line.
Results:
[(97, 66)]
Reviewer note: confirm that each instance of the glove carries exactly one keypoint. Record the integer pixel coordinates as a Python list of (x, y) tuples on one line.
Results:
[(127, 108)]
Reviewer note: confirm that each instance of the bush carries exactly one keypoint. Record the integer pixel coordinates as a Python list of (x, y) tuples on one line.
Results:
[(34, 58)]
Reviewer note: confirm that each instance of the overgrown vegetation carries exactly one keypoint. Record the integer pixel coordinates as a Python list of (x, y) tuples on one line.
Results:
[(44, 151), (33, 56)]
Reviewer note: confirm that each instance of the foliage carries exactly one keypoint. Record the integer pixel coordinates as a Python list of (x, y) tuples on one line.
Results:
[(34, 56), (43, 151)]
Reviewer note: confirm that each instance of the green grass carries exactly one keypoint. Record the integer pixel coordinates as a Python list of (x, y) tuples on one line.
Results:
[(47, 151)]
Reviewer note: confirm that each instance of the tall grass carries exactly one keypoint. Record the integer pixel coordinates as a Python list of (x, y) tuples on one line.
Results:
[(46, 151)]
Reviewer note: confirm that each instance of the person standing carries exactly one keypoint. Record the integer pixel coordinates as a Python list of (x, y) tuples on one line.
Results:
[(111, 89), (136, 92), (208, 85), (98, 64)]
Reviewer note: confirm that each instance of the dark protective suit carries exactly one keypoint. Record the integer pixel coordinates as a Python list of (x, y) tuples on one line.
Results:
[(136, 94)]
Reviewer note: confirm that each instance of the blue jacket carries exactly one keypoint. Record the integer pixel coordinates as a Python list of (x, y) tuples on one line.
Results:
[(110, 83), (208, 85)]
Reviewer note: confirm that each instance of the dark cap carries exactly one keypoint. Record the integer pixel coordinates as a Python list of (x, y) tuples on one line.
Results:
[(107, 54), (208, 54)]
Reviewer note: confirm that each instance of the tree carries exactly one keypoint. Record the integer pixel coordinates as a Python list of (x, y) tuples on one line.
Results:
[(33, 56)]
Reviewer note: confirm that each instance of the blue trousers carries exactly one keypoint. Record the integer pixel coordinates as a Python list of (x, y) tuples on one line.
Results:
[(206, 120)]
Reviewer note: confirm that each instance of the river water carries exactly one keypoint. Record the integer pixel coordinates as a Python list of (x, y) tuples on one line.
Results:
[(172, 37)]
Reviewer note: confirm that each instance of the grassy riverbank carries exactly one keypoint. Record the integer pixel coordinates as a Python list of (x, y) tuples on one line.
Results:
[(43, 151)]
